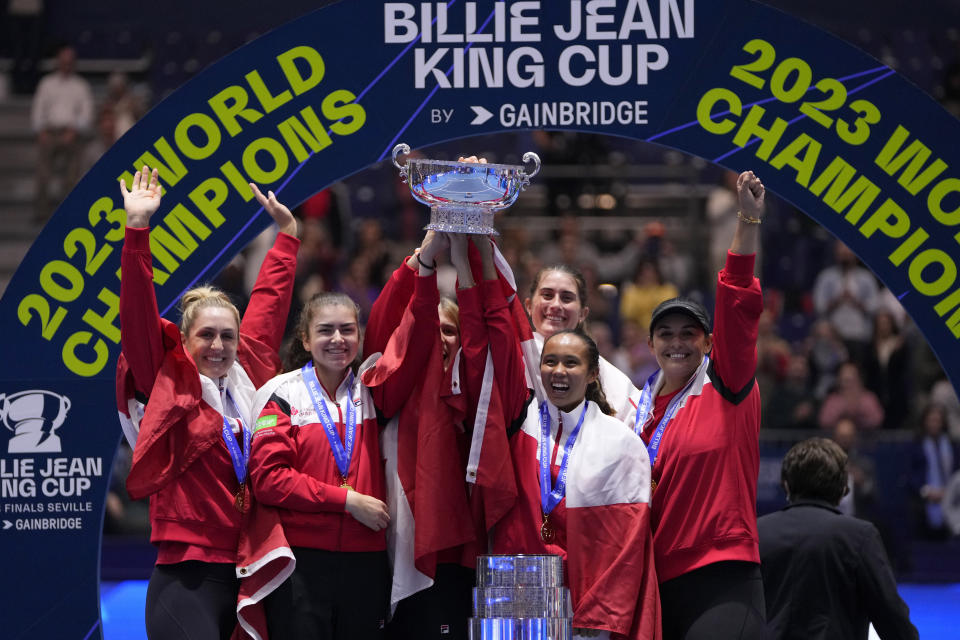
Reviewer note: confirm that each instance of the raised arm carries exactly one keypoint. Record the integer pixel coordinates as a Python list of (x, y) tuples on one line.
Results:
[(739, 300), (502, 336), (389, 306), (141, 335), (395, 375), (266, 314)]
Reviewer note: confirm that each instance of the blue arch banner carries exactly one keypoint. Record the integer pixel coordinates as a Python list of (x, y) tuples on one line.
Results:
[(840, 135)]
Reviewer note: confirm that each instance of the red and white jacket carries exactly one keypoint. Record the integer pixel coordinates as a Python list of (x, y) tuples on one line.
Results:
[(179, 457), (292, 466), (603, 524), (704, 506)]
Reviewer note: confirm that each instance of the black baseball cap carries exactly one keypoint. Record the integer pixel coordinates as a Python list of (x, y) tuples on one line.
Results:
[(685, 306)]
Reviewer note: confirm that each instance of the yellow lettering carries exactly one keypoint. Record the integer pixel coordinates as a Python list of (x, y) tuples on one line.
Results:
[(105, 323), (924, 260), (935, 202), (267, 100), (255, 171), (83, 367), (209, 196), (805, 165), (339, 106), (230, 104), (299, 82), (293, 131), (705, 107), (890, 218), (751, 127), (891, 159), (841, 194), (210, 130)]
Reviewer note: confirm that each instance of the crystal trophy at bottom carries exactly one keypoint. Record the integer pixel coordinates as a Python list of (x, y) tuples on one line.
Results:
[(521, 598)]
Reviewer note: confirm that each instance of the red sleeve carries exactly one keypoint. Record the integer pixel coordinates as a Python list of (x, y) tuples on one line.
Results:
[(273, 476), (141, 334), (505, 349), (400, 368), (473, 345), (735, 327), (266, 315), (387, 310)]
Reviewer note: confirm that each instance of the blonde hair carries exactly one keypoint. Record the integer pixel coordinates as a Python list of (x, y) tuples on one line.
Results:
[(450, 309), (199, 298)]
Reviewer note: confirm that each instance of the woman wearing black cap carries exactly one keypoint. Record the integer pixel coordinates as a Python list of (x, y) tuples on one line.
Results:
[(700, 417)]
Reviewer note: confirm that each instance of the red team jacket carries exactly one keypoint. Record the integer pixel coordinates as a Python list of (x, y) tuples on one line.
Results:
[(292, 466), (710, 448), (179, 457)]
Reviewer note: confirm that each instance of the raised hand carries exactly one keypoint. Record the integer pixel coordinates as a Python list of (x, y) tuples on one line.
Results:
[(143, 200), (277, 210), (472, 159), (750, 192), (367, 510), (432, 246)]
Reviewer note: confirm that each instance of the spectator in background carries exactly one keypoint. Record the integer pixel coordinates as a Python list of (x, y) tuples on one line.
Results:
[(642, 295), (943, 394), (376, 250), (791, 404), (861, 472), (573, 249), (826, 353), (62, 112), (851, 400), (127, 106), (846, 295), (104, 137), (935, 459), (887, 370), (773, 355), (825, 575)]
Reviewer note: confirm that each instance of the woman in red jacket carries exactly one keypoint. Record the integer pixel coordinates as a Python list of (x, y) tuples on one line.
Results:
[(700, 417), (316, 458), (191, 440)]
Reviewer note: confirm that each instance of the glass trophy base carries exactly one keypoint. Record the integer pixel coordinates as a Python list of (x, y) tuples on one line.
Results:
[(521, 629)]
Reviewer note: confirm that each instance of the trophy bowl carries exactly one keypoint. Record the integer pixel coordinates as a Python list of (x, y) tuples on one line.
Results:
[(463, 196)]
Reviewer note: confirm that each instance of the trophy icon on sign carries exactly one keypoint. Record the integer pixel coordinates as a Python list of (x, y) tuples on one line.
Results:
[(33, 416), (463, 196)]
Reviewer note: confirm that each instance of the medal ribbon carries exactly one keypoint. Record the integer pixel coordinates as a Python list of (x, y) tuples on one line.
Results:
[(646, 404), (239, 458), (551, 496), (342, 453)]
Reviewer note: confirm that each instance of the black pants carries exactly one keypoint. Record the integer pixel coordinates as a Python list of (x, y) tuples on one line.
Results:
[(331, 595), (439, 612), (721, 601), (192, 601)]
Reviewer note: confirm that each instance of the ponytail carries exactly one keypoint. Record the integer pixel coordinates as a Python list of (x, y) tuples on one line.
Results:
[(595, 394)]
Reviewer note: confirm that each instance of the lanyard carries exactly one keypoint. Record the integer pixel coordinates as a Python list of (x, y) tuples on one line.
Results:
[(239, 458), (550, 496), (342, 453), (646, 404)]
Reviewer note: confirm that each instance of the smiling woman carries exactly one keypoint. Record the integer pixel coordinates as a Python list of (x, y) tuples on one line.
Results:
[(191, 441)]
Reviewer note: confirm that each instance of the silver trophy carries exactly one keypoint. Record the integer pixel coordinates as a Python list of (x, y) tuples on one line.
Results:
[(521, 598), (463, 196)]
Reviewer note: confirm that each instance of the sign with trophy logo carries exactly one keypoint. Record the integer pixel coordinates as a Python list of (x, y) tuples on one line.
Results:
[(836, 133)]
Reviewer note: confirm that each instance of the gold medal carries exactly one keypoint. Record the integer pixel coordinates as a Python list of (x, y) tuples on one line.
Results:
[(240, 499), (653, 486), (345, 485), (547, 533)]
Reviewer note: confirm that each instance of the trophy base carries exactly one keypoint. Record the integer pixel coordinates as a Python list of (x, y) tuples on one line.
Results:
[(520, 629), (473, 220)]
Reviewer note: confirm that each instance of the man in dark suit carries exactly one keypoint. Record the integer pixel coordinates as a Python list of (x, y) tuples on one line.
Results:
[(825, 575)]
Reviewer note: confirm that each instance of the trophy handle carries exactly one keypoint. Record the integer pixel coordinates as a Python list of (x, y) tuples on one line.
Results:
[(530, 156), (397, 150)]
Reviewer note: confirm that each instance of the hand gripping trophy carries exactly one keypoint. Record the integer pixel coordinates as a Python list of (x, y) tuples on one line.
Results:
[(464, 196)]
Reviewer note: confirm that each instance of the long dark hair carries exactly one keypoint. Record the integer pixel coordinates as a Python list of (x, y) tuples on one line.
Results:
[(594, 389), (297, 355)]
